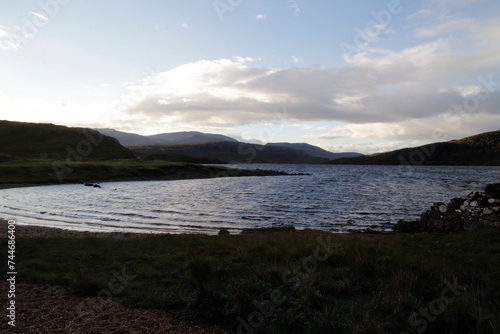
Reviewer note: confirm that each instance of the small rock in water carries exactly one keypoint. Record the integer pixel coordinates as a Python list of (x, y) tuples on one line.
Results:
[(443, 208), (223, 231)]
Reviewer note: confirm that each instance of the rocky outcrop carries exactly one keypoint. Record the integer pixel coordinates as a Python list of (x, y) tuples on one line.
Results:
[(461, 214)]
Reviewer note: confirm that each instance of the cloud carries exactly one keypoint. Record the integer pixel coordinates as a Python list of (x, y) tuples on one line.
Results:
[(454, 3), (448, 25), (295, 6), (13, 38), (39, 16), (444, 84), (3, 97), (231, 92), (423, 13), (296, 59), (65, 110), (261, 16), (185, 26)]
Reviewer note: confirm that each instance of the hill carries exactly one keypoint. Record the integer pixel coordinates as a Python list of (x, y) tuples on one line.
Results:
[(227, 152), (317, 151), (479, 150), (186, 137), (49, 141)]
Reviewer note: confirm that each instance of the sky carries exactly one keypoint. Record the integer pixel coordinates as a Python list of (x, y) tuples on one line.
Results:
[(362, 76)]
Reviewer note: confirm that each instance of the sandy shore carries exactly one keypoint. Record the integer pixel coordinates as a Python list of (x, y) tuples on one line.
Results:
[(28, 231)]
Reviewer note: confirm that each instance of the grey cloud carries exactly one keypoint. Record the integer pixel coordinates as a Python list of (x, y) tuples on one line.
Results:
[(378, 86)]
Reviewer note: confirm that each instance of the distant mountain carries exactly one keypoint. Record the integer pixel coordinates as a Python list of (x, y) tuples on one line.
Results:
[(479, 150), (227, 152), (49, 141), (317, 151), (174, 138)]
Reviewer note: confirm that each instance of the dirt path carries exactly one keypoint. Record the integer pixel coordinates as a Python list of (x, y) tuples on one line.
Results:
[(46, 309)]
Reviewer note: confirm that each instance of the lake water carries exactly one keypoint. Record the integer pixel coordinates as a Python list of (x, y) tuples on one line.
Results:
[(332, 198)]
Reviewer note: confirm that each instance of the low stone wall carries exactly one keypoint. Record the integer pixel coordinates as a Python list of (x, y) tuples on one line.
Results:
[(461, 214)]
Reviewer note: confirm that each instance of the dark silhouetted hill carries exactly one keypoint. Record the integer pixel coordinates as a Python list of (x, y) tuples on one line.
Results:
[(479, 150), (316, 151), (227, 152), (49, 141)]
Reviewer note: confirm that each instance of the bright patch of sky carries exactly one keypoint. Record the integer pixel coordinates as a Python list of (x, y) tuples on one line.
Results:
[(365, 76)]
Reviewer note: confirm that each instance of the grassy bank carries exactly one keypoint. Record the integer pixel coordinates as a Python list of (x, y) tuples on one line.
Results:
[(286, 282), (53, 172)]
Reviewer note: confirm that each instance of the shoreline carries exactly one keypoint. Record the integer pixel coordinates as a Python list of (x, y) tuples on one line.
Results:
[(30, 231), (229, 173)]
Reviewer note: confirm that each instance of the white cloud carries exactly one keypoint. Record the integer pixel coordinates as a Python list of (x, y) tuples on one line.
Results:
[(231, 92), (261, 16), (296, 59), (449, 25), (295, 6), (39, 16), (60, 110), (392, 95), (453, 3), (3, 97), (13, 38), (185, 26), (423, 13)]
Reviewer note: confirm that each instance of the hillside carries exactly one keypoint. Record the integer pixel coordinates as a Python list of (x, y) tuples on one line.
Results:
[(317, 151), (479, 150), (174, 138), (49, 141), (227, 152)]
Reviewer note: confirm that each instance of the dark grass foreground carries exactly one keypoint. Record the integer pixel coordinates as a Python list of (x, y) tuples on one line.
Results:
[(286, 282)]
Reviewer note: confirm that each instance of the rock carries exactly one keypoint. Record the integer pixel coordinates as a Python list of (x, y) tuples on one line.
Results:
[(403, 226), (461, 214), (223, 232), (493, 190)]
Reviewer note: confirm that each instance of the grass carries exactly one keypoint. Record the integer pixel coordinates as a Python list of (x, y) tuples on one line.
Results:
[(57, 171), (287, 282)]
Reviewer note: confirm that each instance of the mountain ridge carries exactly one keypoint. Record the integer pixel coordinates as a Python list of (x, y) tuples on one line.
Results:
[(226, 152), (316, 151), (129, 139), (478, 150)]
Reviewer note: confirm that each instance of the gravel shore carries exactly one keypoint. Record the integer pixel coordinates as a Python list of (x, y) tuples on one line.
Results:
[(44, 309)]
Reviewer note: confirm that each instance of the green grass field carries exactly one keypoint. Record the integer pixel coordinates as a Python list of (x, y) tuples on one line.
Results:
[(60, 171), (286, 282)]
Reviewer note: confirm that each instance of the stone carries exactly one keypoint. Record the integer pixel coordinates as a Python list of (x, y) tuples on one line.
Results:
[(442, 208), (487, 211)]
